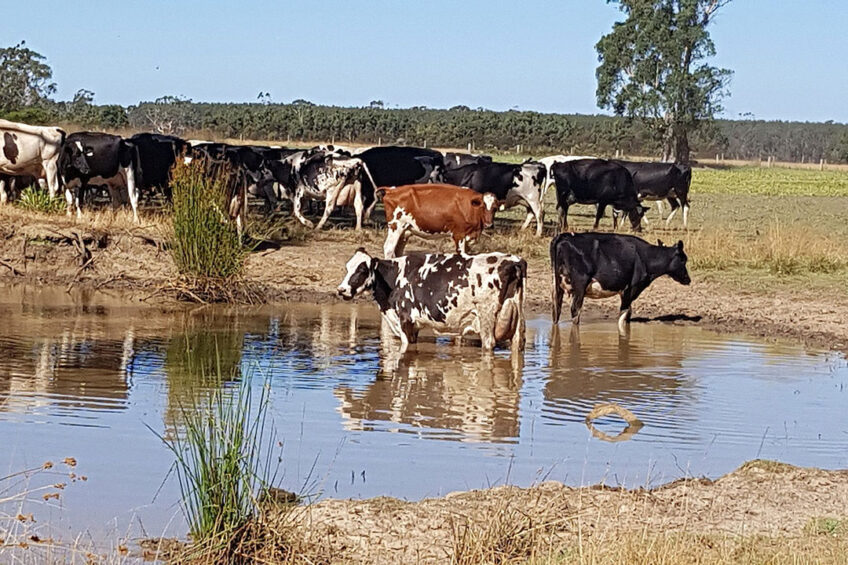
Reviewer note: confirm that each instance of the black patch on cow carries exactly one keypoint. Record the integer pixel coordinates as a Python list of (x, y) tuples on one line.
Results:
[(479, 280), (385, 275), (511, 275), (491, 270), (491, 259), (10, 148)]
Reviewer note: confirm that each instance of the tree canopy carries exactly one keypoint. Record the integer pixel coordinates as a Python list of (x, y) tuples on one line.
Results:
[(653, 67), (25, 78)]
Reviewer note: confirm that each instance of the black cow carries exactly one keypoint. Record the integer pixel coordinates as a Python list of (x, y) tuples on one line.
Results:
[(157, 154), (87, 155), (600, 265), (658, 181), (391, 165), (512, 184), (456, 160), (596, 181)]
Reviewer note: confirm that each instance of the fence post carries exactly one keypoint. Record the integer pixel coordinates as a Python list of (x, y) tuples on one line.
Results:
[(469, 147), (821, 164), (379, 141)]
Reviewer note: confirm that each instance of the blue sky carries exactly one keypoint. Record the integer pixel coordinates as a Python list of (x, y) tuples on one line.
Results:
[(788, 55)]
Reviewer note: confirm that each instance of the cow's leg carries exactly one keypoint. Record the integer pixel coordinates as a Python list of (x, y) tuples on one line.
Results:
[(578, 289), (563, 218), (556, 297), (329, 206), (675, 205), (51, 171), (357, 206), (297, 202), (3, 196), (660, 209), (534, 210), (393, 239), (602, 208), (132, 191), (486, 320), (520, 335)]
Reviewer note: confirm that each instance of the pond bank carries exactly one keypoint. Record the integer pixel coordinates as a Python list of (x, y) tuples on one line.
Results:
[(132, 261)]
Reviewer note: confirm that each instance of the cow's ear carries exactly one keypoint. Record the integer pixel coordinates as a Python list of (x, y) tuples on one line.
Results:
[(660, 243), (360, 250), (680, 245)]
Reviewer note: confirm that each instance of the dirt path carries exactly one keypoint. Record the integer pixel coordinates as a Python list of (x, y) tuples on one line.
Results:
[(131, 260)]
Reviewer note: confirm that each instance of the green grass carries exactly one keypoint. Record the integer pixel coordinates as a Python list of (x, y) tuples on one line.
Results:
[(205, 242), (769, 181), (37, 200)]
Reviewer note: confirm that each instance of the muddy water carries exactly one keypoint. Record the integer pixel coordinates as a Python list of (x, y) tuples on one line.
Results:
[(86, 378)]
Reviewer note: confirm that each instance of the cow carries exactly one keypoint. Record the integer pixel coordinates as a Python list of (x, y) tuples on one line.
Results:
[(428, 209), (318, 174), (456, 160), (451, 294), (549, 162), (31, 151), (596, 181), (87, 155), (157, 154), (600, 265), (12, 185), (512, 184), (658, 181), (391, 165)]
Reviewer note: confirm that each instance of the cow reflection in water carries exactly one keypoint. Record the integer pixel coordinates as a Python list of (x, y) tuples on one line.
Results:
[(598, 365), (440, 387)]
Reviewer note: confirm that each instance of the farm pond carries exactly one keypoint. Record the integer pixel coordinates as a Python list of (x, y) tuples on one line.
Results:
[(102, 381)]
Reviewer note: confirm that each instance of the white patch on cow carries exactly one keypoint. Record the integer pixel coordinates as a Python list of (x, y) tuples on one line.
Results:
[(595, 290), (489, 200)]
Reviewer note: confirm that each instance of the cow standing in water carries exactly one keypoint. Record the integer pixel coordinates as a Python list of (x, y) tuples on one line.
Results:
[(600, 265), (450, 294)]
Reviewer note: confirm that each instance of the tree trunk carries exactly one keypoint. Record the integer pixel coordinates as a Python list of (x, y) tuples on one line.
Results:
[(676, 145)]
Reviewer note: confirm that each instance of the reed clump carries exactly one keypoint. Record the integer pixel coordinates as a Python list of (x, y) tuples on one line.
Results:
[(205, 244), (36, 200)]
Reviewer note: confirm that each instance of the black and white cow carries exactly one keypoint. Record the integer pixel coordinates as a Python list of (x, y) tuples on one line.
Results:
[(30, 151), (450, 294), (88, 155), (600, 265), (549, 162), (456, 160), (512, 184), (658, 181), (600, 182), (335, 178)]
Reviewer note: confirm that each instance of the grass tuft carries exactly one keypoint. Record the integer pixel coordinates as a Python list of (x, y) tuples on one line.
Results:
[(205, 244), (37, 200)]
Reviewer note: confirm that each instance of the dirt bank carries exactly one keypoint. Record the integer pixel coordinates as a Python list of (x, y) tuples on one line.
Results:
[(132, 260), (551, 521)]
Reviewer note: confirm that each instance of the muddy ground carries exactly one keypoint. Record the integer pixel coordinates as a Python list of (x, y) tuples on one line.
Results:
[(133, 261)]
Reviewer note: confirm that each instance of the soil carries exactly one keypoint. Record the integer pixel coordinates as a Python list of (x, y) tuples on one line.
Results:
[(133, 261), (759, 498)]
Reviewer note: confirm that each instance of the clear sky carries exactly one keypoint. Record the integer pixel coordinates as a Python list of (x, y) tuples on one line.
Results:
[(789, 56)]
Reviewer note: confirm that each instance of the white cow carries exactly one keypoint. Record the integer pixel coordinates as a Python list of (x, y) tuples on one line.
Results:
[(30, 151)]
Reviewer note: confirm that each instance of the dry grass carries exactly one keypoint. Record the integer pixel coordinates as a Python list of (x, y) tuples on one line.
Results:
[(780, 250)]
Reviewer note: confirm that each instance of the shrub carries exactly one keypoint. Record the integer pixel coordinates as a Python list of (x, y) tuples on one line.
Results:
[(205, 242)]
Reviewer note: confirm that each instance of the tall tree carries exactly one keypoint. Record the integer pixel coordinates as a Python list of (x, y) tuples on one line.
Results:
[(25, 78), (653, 67)]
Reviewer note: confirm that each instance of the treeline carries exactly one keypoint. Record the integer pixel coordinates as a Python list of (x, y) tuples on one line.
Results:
[(485, 130)]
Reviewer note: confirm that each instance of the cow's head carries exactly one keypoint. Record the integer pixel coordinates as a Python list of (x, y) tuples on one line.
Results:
[(487, 204), (76, 155), (635, 215), (359, 276), (677, 264)]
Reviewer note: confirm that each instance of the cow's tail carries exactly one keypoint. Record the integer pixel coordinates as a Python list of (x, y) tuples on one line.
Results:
[(559, 268)]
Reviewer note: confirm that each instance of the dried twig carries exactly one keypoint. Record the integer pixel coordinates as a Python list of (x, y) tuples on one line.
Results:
[(15, 270)]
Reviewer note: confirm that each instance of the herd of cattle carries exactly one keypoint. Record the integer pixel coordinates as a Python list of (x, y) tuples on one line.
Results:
[(424, 193)]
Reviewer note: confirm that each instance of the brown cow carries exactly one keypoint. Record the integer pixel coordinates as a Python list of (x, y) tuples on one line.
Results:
[(429, 209)]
